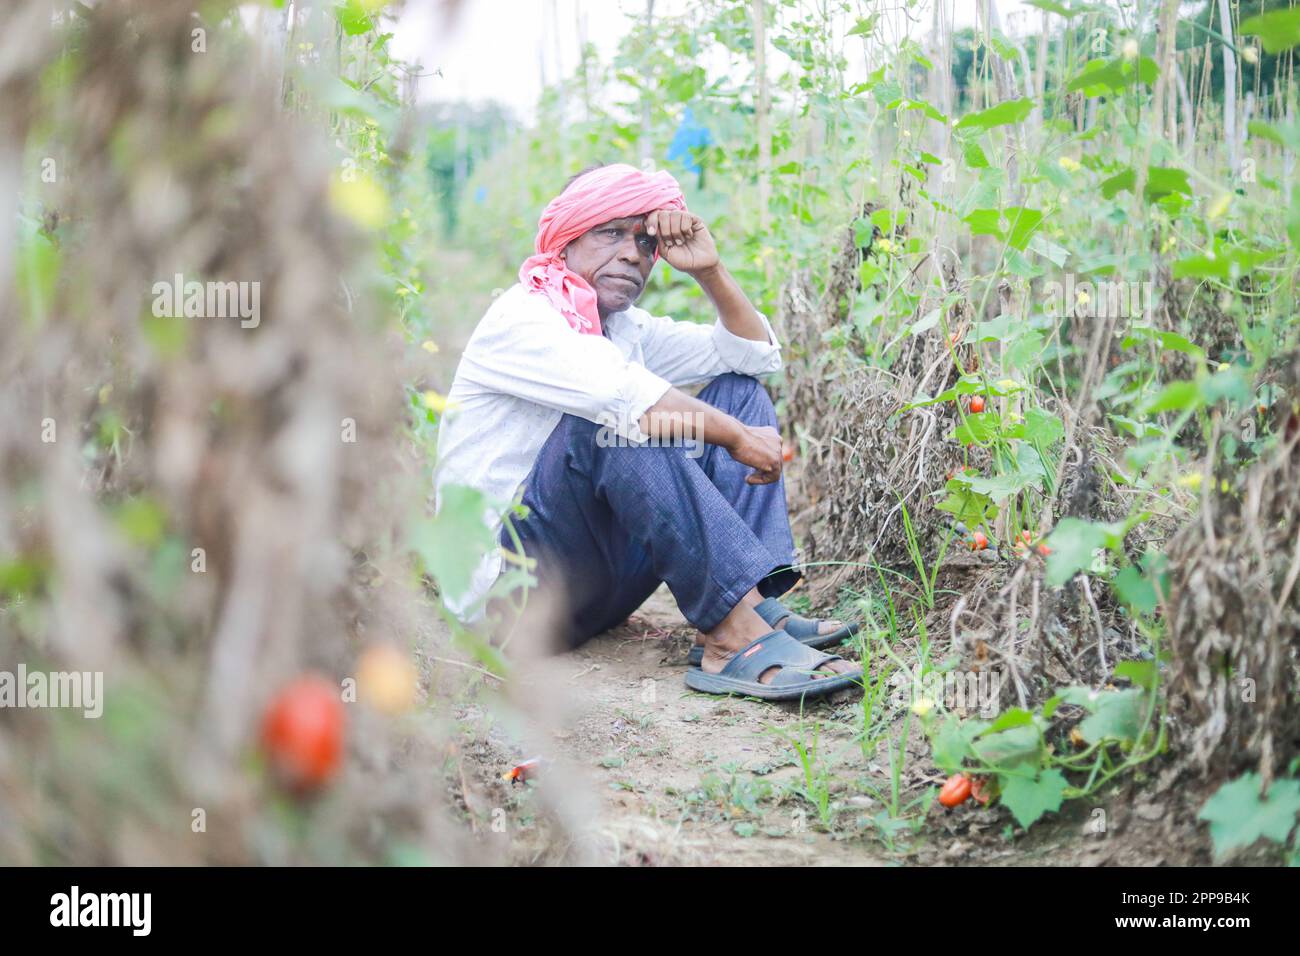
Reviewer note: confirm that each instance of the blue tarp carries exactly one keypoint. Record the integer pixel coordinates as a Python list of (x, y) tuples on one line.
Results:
[(690, 135)]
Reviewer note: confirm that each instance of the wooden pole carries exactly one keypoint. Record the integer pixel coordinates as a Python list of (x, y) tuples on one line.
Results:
[(762, 110), (1229, 86)]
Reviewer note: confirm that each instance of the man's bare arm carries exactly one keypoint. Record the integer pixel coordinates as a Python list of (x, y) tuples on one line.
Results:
[(687, 245), (734, 308), (679, 417)]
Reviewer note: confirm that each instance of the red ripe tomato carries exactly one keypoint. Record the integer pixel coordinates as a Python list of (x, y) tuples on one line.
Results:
[(979, 541), (955, 790), (976, 404), (302, 732)]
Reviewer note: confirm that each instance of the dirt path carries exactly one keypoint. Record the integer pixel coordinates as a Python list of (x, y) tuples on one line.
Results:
[(685, 777), (653, 774)]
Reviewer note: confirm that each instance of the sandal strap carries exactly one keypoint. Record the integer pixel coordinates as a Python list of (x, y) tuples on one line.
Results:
[(771, 610), (776, 649)]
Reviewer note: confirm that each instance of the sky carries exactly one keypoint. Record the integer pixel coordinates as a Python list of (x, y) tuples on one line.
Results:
[(506, 49)]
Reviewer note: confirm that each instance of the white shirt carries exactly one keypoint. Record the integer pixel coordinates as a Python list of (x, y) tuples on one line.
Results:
[(525, 367)]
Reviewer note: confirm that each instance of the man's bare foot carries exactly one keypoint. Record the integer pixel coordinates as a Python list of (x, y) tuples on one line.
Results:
[(823, 627)]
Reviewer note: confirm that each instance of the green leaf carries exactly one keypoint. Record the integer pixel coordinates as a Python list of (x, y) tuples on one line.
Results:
[(922, 105), (1293, 219), (1026, 352), (452, 543), (1051, 6), (1167, 340), (1125, 179), (1161, 181), (1288, 135), (977, 429), (1135, 590), (1117, 715), (1049, 250), (352, 16), (967, 506), (1099, 77), (1011, 748), (1011, 111), (1230, 383), (1073, 542), (995, 330), (974, 155), (1176, 396), (1039, 428), (1013, 225), (966, 385), (1224, 262), (927, 321), (142, 520), (950, 745), (38, 264), (1139, 673), (1238, 817), (1028, 799), (1002, 487), (19, 578), (1012, 717), (864, 26), (1277, 30)]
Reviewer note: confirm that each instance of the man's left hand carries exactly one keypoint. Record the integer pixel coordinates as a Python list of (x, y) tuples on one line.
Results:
[(684, 240)]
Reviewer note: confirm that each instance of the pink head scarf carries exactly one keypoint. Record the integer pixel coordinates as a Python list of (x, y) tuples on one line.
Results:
[(610, 192)]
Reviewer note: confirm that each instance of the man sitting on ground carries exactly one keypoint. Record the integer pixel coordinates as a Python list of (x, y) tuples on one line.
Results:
[(570, 391)]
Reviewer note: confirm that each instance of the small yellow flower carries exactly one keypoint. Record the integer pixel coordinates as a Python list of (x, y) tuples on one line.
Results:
[(922, 706), (430, 346), (1131, 49), (1250, 54), (1082, 297), (1069, 164), (360, 199), (884, 245), (1191, 481), (1219, 206), (437, 403)]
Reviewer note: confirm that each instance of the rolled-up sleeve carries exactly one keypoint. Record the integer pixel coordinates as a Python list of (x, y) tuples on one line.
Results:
[(533, 354), (747, 356), (687, 352)]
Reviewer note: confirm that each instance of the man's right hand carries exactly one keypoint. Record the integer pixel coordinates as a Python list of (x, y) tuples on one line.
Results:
[(758, 446)]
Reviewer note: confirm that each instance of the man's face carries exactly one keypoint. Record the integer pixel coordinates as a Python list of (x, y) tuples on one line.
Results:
[(615, 258)]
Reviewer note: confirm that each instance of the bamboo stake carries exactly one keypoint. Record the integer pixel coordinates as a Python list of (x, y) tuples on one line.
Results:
[(1229, 87), (762, 110)]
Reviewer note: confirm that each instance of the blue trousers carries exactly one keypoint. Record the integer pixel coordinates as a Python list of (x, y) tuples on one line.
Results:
[(607, 524)]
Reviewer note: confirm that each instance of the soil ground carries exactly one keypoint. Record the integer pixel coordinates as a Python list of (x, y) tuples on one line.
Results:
[(676, 777)]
